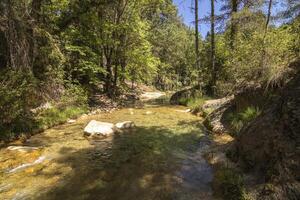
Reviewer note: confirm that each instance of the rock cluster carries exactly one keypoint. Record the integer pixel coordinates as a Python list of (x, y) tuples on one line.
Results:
[(96, 129)]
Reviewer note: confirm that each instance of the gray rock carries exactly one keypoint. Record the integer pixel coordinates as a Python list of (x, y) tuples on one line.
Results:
[(125, 125), (99, 129), (215, 110)]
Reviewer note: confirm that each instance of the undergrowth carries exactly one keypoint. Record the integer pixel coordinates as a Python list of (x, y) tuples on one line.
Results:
[(194, 103), (56, 116), (21, 117), (229, 184)]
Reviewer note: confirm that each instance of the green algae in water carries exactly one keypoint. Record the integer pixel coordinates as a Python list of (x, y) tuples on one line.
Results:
[(137, 164)]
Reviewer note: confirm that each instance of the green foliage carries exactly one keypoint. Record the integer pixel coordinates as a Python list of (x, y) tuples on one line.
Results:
[(72, 104), (230, 184), (74, 95), (260, 55), (197, 102), (239, 120), (55, 116), (15, 102)]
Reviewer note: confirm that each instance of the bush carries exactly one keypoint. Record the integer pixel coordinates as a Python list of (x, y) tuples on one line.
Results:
[(72, 104), (74, 95), (19, 95), (229, 184), (17, 92)]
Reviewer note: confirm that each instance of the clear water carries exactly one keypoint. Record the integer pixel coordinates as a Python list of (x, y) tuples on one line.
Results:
[(159, 159)]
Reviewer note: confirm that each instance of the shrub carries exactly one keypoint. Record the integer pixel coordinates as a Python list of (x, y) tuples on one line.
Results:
[(74, 95), (19, 95), (17, 92), (72, 104)]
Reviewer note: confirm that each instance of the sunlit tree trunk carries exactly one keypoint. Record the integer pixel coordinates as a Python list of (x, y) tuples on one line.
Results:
[(197, 36)]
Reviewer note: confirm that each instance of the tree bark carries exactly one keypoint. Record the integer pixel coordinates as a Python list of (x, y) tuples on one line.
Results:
[(197, 36), (213, 64)]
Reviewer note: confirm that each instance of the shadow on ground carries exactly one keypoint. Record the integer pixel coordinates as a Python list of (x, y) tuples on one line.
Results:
[(138, 164)]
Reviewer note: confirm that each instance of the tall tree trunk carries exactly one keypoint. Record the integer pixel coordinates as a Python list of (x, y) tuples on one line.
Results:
[(116, 74), (233, 27), (213, 64), (263, 55), (197, 36), (109, 73)]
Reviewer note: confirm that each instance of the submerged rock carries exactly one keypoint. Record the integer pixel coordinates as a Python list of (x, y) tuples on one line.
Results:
[(24, 166), (125, 125), (99, 129), (23, 149)]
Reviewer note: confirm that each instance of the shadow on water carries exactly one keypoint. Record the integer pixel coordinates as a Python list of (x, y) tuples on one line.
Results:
[(160, 159), (145, 163)]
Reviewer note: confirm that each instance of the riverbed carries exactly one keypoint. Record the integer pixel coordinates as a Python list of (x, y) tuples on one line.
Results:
[(160, 159)]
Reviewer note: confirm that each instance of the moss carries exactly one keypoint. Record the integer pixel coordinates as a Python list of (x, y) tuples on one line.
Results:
[(229, 184)]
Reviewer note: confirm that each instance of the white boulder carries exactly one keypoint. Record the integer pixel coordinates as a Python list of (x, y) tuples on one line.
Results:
[(125, 125), (98, 129)]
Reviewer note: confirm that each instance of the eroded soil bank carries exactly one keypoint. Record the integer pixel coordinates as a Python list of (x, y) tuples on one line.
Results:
[(159, 159)]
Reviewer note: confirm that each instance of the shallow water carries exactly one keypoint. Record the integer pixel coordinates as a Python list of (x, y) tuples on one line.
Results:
[(159, 159)]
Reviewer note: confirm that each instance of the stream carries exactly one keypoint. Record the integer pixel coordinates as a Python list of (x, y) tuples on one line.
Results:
[(160, 159)]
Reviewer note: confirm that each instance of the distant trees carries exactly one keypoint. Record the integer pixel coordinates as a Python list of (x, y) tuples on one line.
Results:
[(247, 45), (49, 49)]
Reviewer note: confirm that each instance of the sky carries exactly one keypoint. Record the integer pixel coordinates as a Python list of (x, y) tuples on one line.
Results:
[(184, 8)]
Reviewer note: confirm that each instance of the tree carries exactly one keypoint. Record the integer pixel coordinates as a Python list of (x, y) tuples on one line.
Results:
[(212, 84), (197, 35)]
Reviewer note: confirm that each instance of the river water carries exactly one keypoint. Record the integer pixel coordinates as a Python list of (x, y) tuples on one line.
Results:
[(160, 159)]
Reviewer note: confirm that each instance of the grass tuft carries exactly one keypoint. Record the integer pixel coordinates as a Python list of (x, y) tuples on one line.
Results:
[(229, 184)]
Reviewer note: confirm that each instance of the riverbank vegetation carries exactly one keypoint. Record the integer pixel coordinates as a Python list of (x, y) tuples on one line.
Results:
[(48, 49)]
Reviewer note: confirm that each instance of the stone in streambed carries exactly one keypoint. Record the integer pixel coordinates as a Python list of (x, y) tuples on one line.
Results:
[(99, 129), (125, 125), (71, 121), (23, 149)]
